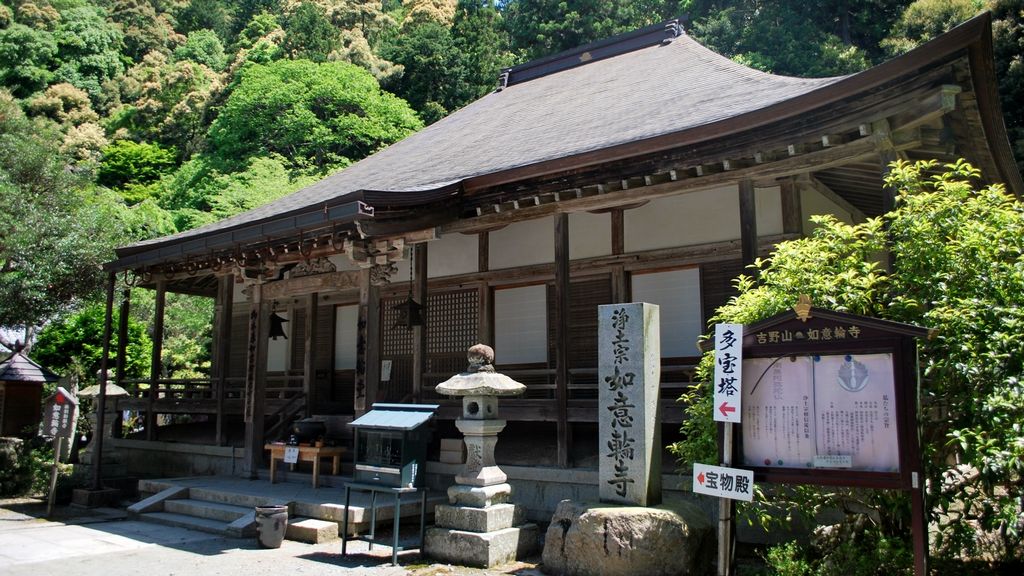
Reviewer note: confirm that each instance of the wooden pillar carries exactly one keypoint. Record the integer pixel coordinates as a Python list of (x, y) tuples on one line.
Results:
[(256, 380), (155, 359), (222, 347), (562, 336), (101, 403), (309, 360), (122, 345), (367, 344), (419, 333), (748, 222), (485, 313), (618, 231), (792, 209)]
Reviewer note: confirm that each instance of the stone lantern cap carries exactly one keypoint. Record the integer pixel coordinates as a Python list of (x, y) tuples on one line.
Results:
[(480, 379)]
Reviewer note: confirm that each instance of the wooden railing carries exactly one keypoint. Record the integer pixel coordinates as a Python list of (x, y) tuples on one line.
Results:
[(279, 387)]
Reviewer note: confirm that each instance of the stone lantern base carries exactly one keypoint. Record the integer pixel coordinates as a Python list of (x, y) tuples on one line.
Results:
[(480, 537)]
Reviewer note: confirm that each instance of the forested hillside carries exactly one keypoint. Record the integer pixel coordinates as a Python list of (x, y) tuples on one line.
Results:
[(128, 119)]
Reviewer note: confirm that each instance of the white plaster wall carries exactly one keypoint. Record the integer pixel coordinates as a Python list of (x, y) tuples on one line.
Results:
[(521, 325), (677, 292), (240, 297), (684, 220), (813, 202), (278, 350), (590, 235), (522, 244), (346, 335), (768, 205), (453, 254)]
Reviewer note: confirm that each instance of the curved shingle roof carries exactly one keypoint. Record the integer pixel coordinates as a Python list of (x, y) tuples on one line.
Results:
[(649, 92)]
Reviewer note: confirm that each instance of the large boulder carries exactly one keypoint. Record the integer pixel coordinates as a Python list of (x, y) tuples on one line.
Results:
[(583, 539)]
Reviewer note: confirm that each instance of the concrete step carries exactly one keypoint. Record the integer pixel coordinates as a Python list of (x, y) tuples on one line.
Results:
[(233, 498), (189, 522), (311, 530), (206, 509)]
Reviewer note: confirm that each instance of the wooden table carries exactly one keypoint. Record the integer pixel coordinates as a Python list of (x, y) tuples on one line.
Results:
[(307, 454)]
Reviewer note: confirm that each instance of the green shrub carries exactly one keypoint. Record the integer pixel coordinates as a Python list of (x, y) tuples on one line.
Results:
[(15, 468)]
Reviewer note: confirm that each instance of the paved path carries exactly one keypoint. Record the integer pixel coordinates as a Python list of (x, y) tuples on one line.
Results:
[(102, 543)]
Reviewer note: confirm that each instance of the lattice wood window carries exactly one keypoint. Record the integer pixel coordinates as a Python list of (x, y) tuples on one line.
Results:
[(453, 321), (584, 298)]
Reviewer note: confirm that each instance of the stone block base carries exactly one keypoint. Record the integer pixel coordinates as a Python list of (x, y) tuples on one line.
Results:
[(490, 519), (95, 498), (311, 530), (479, 496), (481, 550)]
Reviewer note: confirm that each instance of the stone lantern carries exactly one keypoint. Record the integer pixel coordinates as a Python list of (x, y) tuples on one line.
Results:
[(479, 526)]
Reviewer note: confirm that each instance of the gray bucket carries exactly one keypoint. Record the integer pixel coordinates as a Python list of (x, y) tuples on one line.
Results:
[(271, 523)]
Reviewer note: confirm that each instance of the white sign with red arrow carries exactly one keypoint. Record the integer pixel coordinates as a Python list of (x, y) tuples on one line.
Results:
[(728, 372), (732, 483)]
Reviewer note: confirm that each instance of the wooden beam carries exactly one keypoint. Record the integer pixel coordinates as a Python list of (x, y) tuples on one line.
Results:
[(483, 251), (748, 222), (309, 358), (331, 281), (154, 359), (855, 213), (419, 333), (561, 239), (222, 339)]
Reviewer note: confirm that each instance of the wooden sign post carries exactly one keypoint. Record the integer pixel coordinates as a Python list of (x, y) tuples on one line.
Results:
[(58, 422)]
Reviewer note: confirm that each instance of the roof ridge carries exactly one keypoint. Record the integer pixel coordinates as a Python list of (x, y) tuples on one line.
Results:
[(661, 33)]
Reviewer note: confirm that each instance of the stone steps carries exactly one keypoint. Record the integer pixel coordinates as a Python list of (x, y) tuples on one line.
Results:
[(186, 521), (206, 509)]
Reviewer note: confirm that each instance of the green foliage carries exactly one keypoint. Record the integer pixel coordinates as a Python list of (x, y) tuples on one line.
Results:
[(145, 29), (188, 326), (73, 344), (543, 27), (317, 115), (204, 47), (925, 19), (54, 234), (959, 268), (26, 57), (1008, 48), (308, 34), (125, 162), (205, 15), (861, 554), (88, 49)]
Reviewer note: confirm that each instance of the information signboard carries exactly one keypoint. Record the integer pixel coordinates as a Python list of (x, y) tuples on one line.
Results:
[(821, 411), (58, 418)]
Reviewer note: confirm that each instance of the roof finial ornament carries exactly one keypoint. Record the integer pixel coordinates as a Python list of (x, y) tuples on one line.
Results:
[(673, 29), (502, 80), (803, 307)]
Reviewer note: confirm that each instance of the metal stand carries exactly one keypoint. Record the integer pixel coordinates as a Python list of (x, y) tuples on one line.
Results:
[(371, 537)]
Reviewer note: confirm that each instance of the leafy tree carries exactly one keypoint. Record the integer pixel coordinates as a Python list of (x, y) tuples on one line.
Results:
[(542, 27), (74, 343), (435, 70), (309, 34), (54, 234), (126, 162), (26, 59), (206, 15), (203, 47), (144, 28), (188, 332), (1008, 29), (317, 115), (64, 104), (423, 11), (166, 102), (958, 270), (925, 19), (89, 49)]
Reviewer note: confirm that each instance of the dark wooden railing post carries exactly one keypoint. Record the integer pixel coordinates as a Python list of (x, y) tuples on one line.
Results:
[(101, 403), (309, 358), (419, 333), (122, 345)]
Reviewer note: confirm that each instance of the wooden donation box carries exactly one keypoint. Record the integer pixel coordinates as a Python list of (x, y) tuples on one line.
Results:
[(391, 444)]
